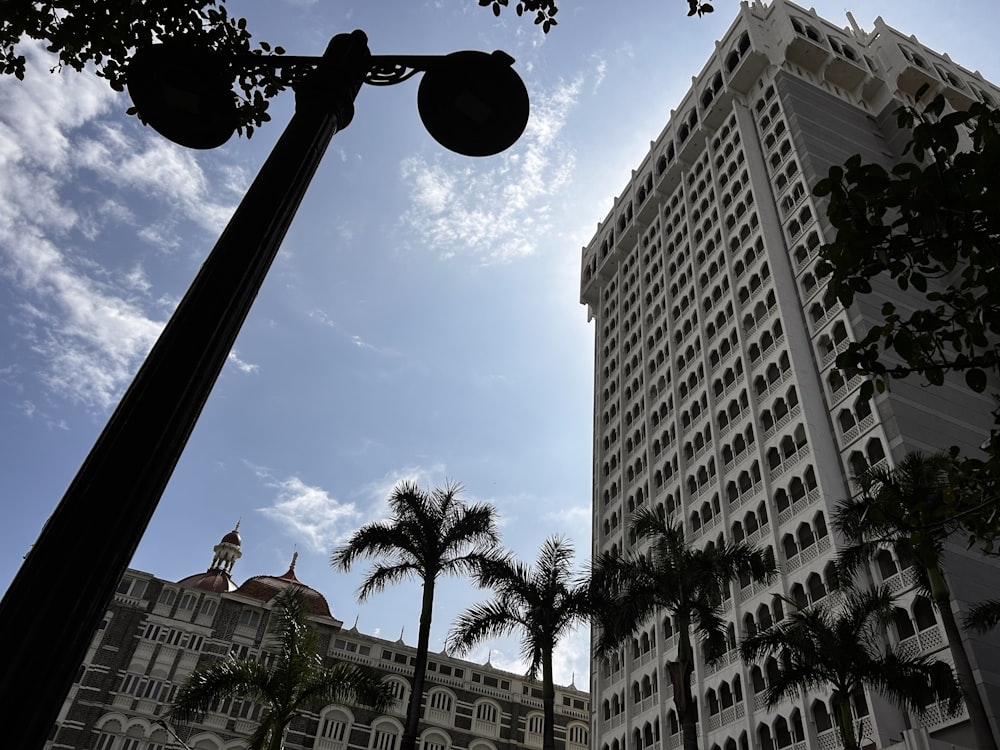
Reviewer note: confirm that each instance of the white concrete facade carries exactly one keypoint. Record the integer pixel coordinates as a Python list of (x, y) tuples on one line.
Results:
[(716, 398)]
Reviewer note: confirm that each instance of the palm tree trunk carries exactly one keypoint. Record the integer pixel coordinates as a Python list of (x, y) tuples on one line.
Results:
[(412, 728), (548, 703), (277, 737), (978, 719), (845, 721), (680, 676)]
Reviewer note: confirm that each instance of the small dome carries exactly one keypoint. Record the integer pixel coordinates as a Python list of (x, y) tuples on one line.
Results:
[(233, 537), (215, 580)]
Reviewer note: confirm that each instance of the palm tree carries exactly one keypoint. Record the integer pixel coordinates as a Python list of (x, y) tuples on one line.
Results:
[(843, 646), (429, 535), (543, 602), (901, 508), (686, 582), (293, 681)]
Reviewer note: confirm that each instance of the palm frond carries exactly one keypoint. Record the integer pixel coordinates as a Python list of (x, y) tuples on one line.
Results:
[(223, 679), (372, 540), (492, 619), (381, 576), (349, 684), (983, 617)]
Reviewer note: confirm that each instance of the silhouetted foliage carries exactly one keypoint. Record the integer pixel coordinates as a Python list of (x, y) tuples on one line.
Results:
[(684, 582), (842, 645), (103, 36), (901, 508), (932, 225)]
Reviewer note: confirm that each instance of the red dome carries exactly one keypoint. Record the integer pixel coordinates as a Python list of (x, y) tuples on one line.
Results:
[(232, 537), (265, 588), (215, 580)]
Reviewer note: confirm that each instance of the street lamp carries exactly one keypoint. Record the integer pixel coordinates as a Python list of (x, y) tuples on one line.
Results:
[(471, 102)]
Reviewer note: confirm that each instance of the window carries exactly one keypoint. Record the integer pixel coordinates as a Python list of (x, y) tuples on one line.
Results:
[(188, 601), (167, 597), (249, 618), (440, 701), (577, 734), (535, 724), (434, 742), (131, 587), (486, 712), (334, 726), (398, 689), (105, 741), (208, 607), (384, 737)]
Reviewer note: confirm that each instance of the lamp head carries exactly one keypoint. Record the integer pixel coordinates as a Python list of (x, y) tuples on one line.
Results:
[(474, 103), (184, 94)]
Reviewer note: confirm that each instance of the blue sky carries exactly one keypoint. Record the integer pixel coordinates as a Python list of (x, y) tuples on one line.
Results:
[(421, 320)]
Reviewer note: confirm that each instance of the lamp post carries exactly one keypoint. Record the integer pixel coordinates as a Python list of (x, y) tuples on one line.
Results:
[(471, 102)]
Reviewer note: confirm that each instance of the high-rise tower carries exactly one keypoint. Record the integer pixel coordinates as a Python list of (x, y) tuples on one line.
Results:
[(716, 395)]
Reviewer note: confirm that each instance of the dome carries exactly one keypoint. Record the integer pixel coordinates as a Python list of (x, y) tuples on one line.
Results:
[(215, 580), (233, 537), (265, 588)]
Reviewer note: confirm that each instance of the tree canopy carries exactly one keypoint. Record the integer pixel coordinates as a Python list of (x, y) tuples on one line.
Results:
[(931, 225)]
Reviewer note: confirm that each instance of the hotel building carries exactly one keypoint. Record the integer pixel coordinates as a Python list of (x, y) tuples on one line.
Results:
[(716, 395)]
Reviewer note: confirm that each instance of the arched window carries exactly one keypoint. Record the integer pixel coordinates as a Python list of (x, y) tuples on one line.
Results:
[(577, 734), (335, 726), (534, 723), (435, 739), (385, 734)]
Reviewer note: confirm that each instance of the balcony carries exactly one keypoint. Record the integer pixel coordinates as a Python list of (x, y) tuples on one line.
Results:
[(811, 54), (845, 73)]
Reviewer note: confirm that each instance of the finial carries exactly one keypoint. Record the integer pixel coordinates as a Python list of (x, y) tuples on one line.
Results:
[(238, 522), (295, 556)]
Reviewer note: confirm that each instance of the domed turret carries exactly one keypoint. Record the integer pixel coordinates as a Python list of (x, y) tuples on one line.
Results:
[(218, 578)]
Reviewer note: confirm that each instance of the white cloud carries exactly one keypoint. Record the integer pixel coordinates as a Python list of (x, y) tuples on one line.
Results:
[(311, 514), (88, 324), (240, 364), (495, 209), (315, 516)]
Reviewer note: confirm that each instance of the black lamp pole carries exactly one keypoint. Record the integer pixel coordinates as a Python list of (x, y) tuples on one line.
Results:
[(59, 597)]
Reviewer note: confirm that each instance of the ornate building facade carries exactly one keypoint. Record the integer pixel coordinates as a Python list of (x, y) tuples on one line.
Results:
[(716, 395), (157, 632)]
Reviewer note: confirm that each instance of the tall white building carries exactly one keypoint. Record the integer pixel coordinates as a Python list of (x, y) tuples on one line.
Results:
[(716, 398)]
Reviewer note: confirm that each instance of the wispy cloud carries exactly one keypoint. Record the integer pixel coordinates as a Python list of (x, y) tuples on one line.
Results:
[(241, 365), (379, 490), (314, 516), (89, 324), (311, 514), (495, 209)]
